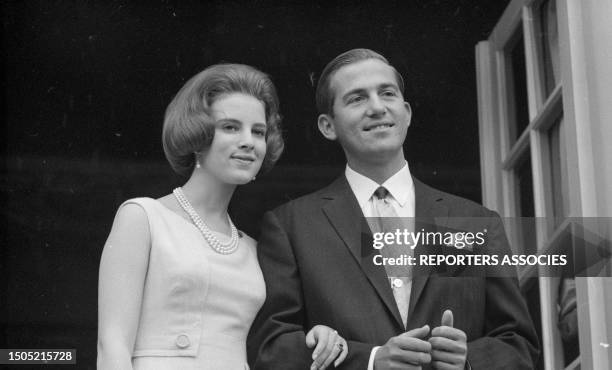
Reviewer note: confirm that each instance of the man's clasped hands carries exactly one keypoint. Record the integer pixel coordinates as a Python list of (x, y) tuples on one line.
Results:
[(446, 349)]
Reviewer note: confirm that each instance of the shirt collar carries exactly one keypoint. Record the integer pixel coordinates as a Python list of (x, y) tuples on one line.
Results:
[(399, 185)]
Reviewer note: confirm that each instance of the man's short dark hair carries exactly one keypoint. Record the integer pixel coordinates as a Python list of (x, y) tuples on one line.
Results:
[(324, 93)]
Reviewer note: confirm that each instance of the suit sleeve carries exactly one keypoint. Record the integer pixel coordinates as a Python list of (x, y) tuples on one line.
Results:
[(510, 341), (277, 336)]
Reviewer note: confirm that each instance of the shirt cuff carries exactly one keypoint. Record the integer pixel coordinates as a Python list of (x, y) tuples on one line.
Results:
[(372, 356)]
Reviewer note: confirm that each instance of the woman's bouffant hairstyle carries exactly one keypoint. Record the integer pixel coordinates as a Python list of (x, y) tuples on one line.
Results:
[(188, 123)]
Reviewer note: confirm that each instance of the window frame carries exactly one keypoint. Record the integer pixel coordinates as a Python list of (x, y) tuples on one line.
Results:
[(499, 156)]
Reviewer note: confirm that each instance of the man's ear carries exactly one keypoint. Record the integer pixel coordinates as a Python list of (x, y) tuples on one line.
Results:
[(409, 110), (326, 127)]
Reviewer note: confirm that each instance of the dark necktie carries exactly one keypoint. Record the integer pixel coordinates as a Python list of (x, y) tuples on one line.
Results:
[(399, 276)]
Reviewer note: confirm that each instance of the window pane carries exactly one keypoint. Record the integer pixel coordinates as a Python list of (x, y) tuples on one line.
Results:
[(531, 293), (525, 187), (525, 206), (568, 320), (558, 175), (548, 37), (517, 83)]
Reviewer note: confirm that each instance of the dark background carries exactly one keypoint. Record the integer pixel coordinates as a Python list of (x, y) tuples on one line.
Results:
[(85, 87)]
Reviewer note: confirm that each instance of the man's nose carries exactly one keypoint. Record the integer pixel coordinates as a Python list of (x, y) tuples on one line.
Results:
[(376, 106)]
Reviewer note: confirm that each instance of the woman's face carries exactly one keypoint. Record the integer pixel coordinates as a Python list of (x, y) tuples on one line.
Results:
[(239, 145)]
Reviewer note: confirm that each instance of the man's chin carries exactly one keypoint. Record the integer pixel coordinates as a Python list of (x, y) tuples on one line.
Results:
[(378, 156), (383, 152)]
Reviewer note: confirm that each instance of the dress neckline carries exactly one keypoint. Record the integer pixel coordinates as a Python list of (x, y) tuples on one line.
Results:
[(185, 220)]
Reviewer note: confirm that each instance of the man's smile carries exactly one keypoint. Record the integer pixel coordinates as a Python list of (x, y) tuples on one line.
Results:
[(378, 126)]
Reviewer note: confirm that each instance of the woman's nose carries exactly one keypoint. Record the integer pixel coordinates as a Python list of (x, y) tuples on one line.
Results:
[(246, 140)]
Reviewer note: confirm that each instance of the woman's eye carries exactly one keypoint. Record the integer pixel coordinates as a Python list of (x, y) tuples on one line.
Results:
[(230, 128), (260, 132)]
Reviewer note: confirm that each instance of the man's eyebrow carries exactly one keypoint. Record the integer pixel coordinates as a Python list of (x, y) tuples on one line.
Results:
[(356, 91), (359, 90), (387, 85)]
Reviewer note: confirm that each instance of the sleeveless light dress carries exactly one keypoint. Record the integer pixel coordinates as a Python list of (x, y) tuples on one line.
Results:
[(198, 305)]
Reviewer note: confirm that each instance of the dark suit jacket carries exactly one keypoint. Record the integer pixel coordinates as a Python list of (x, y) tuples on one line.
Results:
[(317, 272)]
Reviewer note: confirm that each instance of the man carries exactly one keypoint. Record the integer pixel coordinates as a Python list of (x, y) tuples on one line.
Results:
[(317, 271)]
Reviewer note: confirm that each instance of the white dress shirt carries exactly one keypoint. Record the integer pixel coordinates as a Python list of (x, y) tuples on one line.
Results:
[(399, 186), (401, 193)]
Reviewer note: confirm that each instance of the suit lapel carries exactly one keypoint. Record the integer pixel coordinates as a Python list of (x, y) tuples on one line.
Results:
[(429, 212), (345, 216)]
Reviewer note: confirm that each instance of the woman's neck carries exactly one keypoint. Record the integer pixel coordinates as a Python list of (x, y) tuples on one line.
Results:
[(208, 196)]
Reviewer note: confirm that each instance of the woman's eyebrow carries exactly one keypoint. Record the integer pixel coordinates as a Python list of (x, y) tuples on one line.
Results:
[(229, 120)]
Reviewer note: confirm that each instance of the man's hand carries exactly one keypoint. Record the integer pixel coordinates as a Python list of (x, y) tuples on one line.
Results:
[(405, 351), (449, 347)]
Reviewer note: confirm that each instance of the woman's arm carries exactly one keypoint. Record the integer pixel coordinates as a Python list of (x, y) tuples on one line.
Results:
[(123, 269)]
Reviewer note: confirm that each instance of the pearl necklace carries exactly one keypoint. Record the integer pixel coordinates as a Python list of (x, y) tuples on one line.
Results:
[(215, 244)]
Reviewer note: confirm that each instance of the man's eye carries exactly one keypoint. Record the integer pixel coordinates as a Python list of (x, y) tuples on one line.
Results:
[(355, 99), (389, 93)]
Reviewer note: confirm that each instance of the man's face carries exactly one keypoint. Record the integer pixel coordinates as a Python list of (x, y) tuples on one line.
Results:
[(370, 117)]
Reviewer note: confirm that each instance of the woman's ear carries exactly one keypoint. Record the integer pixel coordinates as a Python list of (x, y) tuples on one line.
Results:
[(326, 126)]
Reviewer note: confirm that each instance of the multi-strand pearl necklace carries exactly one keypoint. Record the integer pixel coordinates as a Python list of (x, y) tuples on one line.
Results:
[(215, 244)]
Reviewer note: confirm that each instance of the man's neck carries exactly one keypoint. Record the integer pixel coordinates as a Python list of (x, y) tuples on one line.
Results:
[(378, 171)]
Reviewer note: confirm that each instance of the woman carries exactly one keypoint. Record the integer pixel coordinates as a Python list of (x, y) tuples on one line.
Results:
[(179, 284)]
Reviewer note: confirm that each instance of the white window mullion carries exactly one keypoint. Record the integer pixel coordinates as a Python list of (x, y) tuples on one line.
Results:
[(490, 164)]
